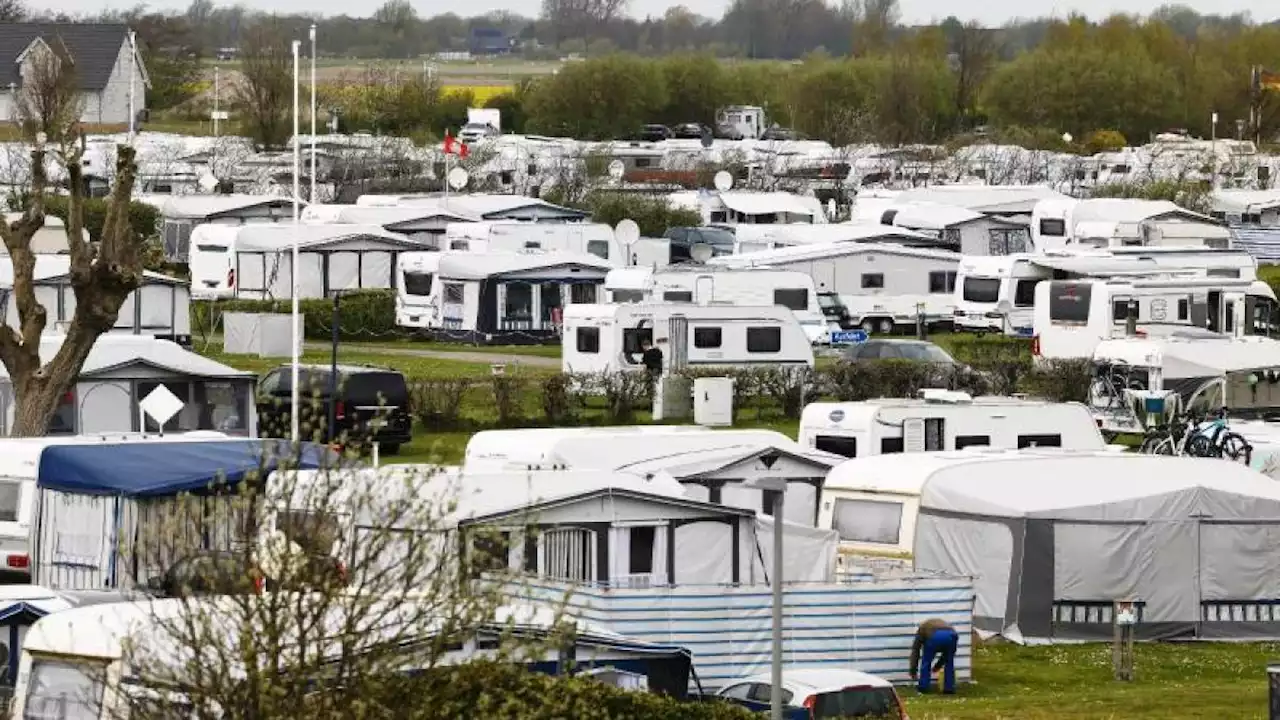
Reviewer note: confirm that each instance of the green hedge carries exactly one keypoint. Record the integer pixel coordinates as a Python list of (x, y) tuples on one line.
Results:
[(143, 218), (489, 690), (365, 314)]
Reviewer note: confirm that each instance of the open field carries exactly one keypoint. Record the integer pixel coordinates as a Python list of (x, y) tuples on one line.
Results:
[(475, 73)]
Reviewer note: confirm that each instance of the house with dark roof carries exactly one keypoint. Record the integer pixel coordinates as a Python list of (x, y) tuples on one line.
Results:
[(106, 65)]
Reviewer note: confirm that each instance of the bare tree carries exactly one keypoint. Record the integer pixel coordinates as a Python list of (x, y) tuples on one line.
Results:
[(974, 55), (12, 11), (102, 277), (264, 92)]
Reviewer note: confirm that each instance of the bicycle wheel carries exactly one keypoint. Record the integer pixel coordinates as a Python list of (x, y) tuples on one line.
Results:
[(1163, 447), (1235, 448), (1201, 446)]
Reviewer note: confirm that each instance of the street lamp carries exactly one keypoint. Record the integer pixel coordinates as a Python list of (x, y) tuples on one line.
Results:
[(778, 486)]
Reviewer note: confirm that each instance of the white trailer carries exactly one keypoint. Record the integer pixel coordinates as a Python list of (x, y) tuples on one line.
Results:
[(718, 285), (997, 293), (945, 420), (211, 259), (874, 286), (514, 235), (610, 338), (1073, 316)]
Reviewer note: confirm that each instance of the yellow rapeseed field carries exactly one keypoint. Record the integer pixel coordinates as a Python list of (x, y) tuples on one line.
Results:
[(482, 93)]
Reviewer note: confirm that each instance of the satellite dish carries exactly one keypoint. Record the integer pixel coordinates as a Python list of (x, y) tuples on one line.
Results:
[(723, 180), (700, 252), (458, 178), (627, 232), (207, 183), (616, 169)]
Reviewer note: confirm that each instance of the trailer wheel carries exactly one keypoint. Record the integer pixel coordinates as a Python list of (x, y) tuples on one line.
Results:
[(868, 325), (886, 326)]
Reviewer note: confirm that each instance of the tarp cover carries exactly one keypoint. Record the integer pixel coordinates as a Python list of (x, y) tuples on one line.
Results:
[(152, 469)]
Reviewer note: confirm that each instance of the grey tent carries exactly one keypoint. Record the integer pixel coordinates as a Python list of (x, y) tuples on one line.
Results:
[(1054, 541)]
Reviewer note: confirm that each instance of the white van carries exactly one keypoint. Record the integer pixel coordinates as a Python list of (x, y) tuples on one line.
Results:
[(1073, 316), (610, 338), (211, 260)]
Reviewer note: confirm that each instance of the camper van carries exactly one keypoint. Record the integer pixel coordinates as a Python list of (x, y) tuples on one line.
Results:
[(514, 235), (1073, 316), (945, 420), (985, 284), (494, 297), (611, 338), (874, 286), (715, 285), (211, 259)]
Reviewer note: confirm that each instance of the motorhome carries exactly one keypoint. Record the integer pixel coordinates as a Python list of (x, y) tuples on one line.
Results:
[(945, 420), (997, 294), (512, 235), (494, 297), (717, 285), (211, 260), (611, 338), (875, 286), (1073, 316)]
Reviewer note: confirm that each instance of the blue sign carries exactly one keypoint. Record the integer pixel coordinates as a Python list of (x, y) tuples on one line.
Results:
[(849, 336)]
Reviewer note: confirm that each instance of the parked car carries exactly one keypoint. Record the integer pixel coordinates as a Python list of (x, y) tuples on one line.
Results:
[(816, 694), (372, 404), (780, 134), (689, 131), (229, 572), (472, 132), (914, 350), (656, 133)]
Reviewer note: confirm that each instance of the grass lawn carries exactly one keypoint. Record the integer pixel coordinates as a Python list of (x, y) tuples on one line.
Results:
[(414, 368), (1174, 680), (550, 351)]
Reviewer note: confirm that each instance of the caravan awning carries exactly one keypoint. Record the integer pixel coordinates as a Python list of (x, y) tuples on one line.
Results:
[(156, 469)]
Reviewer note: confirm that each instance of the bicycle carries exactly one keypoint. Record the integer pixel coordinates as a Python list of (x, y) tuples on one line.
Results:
[(1184, 437)]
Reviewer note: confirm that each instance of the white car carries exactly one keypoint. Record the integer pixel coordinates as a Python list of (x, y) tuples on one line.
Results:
[(820, 693), (474, 132)]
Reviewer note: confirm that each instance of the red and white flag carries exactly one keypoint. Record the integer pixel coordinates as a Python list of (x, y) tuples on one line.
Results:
[(454, 146)]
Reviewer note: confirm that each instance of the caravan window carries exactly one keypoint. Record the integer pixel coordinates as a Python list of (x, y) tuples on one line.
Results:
[(791, 299), (942, 281), (764, 339), (1223, 272), (889, 446), (872, 281), (1053, 227), (64, 690), (677, 296), (532, 245), (599, 248), (1184, 308), (706, 337), (454, 293), (844, 446), (417, 283), (1069, 303), (628, 296), (1024, 293), (1028, 441), (964, 441), (981, 290), (870, 521), (588, 339), (460, 245), (10, 493), (212, 248)]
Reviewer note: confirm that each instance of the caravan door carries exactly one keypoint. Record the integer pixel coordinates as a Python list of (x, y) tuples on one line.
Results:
[(704, 290)]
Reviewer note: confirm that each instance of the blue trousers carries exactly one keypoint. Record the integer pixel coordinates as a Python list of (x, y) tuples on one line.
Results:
[(941, 645)]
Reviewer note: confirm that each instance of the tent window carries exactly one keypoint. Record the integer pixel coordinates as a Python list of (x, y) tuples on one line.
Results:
[(531, 552), (1027, 441), (964, 441), (767, 499), (454, 293), (490, 552), (846, 446), (588, 339), (870, 521), (582, 294), (888, 446), (642, 541)]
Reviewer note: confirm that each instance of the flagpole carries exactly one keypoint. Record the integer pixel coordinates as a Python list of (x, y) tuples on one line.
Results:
[(295, 429), (312, 196), (447, 148)]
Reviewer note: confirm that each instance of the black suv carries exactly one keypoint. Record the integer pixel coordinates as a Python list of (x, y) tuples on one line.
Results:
[(372, 405)]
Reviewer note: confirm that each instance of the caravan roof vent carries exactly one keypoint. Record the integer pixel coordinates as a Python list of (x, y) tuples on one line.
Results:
[(950, 397)]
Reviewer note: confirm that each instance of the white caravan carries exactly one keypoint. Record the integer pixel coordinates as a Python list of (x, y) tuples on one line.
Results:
[(716, 285), (874, 286), (211, 260), (945, 420), (986, 283), (1065, 223), (1073, 316), (750, 238), (416, 277), (514, 235), (610, 338)]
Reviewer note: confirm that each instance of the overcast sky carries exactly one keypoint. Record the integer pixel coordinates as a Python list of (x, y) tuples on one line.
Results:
[(990, 12)]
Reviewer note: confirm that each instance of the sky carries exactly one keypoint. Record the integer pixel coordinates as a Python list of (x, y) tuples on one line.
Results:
[(989, 12)]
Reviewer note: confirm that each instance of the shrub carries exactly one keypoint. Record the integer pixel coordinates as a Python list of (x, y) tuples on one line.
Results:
[(437, 404), (623, 392), (507, 390), (788, 388), (365, 314), (1061, 380), (561, 399)]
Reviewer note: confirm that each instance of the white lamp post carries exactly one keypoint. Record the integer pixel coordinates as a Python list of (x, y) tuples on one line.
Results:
[(311, 197), (295, 430), (778, 486)]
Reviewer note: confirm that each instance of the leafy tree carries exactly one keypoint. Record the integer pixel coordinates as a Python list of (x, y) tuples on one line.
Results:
[(171, 53), (265, 92), (598, 99), (1104, 141), (102, 276)]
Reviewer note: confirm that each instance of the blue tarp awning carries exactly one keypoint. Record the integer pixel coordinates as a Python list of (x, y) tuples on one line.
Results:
[(167, 468)]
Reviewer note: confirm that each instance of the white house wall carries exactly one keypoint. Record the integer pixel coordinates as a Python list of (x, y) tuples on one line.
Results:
[(113, 104)]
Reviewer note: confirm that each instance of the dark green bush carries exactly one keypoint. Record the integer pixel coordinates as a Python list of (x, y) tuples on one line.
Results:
[(365, 315), (1060, 380), (437, 402)]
